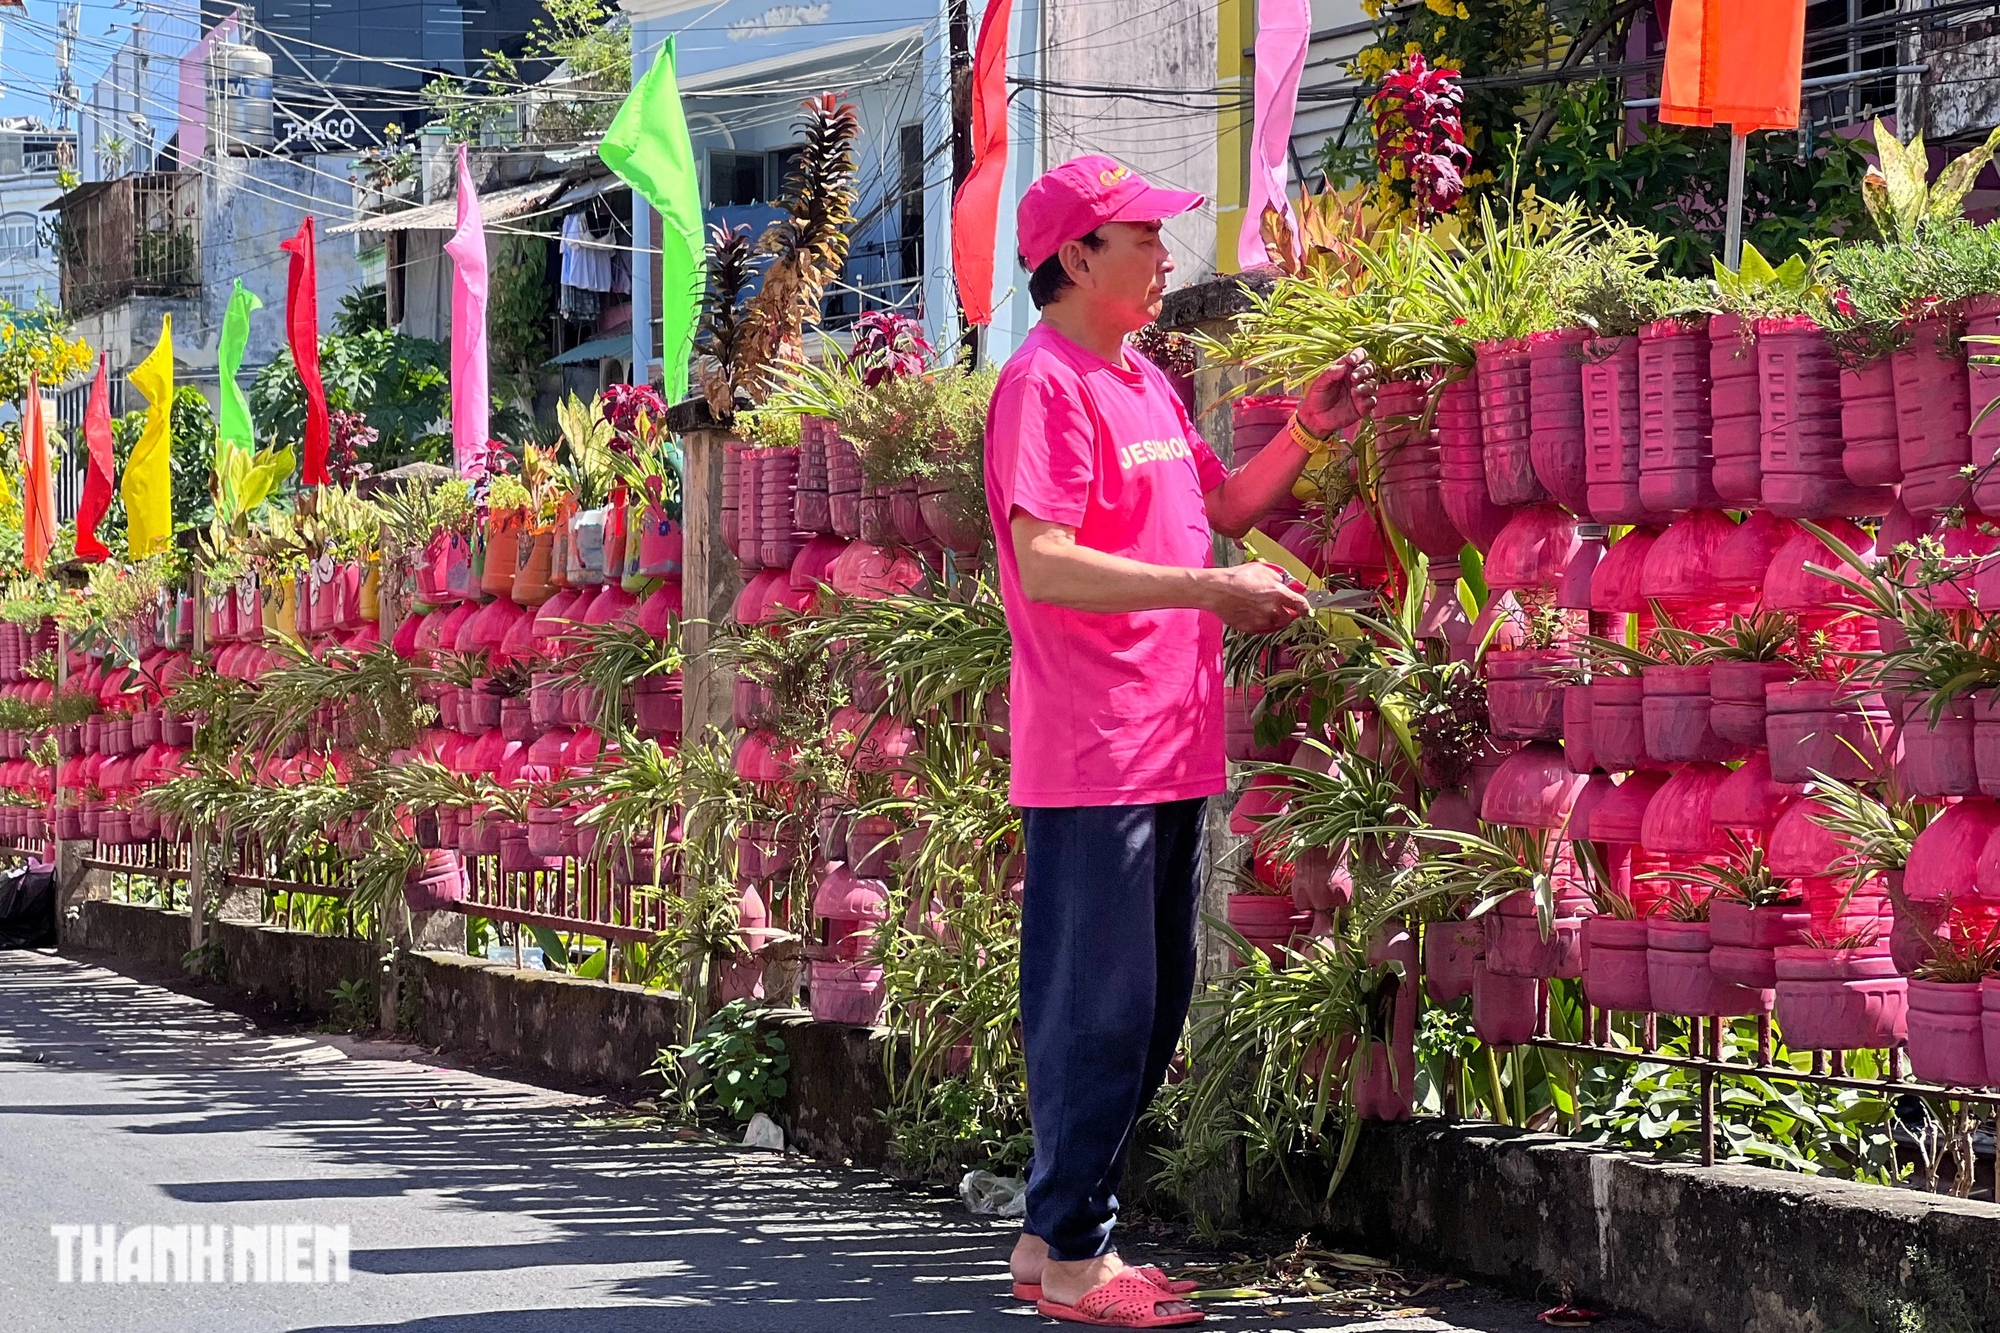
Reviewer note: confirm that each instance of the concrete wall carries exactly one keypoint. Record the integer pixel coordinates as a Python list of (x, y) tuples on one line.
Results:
[(1728, 1249), (291, 969), (589, 1032)]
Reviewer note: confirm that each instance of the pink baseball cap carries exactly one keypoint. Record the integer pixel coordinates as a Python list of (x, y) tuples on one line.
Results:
[(1078, 197)]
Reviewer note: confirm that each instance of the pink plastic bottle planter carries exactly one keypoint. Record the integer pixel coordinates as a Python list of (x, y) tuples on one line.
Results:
[(1870, 452), (1532, 789), (1840, 999), (1505, 377), (1503, 1008), (1932, 417), (1802, 447), (1989, 1026), (1935, 756), (1533, 551), (1450, 950), (1611, 431), (1615, 583), (1579, 740), (1750, 800), (1790, 586), (1678, 819), (1411, 474), (1524, 697), (1675, 712), (1615, 975), (1986, 740), (1677, 456), (1618, 722), (1736, 698), (1945, 859), (1735, 419), (1621, 816), (1982, 319), (1573, 588), (1556, 447), (1267, 921), (1744, 558), (1391, 1076), (1679, 572), (1746, 939), (1254, 422), (1516, 947), (1462, 467), (1682, 980), (1946, 1040), (1239, 712), (1824, 726)]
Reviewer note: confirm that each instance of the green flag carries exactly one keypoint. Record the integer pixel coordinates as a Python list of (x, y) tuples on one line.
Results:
[(233, 430), (648, 146)]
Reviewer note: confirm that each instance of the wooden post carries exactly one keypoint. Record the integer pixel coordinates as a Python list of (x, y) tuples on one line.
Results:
[(709, 583), (709, 586)]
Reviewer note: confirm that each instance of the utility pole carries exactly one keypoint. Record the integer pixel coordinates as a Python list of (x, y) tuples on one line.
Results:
[(960, 26), (66, 98)]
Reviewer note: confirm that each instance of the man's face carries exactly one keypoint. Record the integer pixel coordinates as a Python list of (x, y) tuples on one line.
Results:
[(1125, 277)]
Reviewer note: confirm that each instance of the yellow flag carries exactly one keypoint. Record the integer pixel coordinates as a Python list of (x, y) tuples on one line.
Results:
[(148, 484)]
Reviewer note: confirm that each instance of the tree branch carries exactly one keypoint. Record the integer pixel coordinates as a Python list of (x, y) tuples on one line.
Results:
[(1579, 50)]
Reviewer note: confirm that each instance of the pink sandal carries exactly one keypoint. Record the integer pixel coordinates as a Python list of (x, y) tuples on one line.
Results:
[(1032, 1291), (1126, 1301)]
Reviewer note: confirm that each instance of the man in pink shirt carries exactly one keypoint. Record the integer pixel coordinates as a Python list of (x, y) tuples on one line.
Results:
[(1104, 498)]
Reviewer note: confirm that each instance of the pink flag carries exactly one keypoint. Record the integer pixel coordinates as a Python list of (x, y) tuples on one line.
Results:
[(469, 398), (1284, 30)]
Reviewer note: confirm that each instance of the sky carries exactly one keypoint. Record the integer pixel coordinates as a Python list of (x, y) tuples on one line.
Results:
[(27, 51)]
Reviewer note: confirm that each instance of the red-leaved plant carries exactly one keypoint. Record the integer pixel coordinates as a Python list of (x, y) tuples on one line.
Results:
[(1419, 122), (888, 345)]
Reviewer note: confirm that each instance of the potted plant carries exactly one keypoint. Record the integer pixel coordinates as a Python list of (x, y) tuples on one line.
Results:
[(1752, 913), (1946, 1017), (1743, 658), (1645, 373)]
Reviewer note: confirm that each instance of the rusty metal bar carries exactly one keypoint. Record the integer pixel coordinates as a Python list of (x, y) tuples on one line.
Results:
[(1779, 1073)]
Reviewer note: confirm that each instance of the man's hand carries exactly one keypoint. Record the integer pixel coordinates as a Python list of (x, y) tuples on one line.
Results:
[(1341, 396), (1255, 598)]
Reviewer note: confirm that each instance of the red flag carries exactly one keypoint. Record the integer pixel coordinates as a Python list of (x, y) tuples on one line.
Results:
[(975, 213), (38, 490), (97, 481), (302, 329)]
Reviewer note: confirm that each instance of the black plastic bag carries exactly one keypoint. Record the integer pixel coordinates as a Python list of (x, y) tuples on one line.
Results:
[(28, 907)]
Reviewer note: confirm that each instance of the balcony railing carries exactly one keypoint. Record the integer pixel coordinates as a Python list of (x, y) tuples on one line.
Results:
[(137, 235)]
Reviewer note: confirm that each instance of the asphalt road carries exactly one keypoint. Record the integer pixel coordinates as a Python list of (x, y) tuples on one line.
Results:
[(473, 1204)]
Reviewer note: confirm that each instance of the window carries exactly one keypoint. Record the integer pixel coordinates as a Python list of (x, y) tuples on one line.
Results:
[(19, 235), (778, 167), (735, 179)]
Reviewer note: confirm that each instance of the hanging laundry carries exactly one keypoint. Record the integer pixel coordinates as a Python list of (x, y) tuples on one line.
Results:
[(586, 261)]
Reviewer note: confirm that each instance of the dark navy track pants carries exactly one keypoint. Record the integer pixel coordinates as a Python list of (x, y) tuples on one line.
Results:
[(1107, 972)]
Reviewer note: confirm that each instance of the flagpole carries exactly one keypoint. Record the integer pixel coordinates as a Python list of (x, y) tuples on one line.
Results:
[(1732, 236)]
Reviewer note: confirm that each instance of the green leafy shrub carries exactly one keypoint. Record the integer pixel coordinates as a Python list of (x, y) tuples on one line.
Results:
[(732, 1062)]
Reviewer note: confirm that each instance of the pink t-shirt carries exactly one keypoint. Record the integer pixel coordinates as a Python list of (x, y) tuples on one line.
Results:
[(1106, 709)]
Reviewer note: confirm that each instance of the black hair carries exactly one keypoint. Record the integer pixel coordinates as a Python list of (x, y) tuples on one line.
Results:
[(1049, 281)]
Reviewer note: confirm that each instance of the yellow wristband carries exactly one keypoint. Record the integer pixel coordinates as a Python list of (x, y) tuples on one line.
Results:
[(1305, 439)]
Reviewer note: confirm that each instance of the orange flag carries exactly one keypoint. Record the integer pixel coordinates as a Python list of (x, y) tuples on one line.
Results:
[(38, 487), (1734, 63)]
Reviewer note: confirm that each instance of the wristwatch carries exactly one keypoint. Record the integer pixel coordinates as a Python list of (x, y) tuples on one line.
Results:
[(1306, 440)]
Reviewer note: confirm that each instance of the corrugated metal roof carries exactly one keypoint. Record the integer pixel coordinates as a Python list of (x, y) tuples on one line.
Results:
[(494, 206)]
